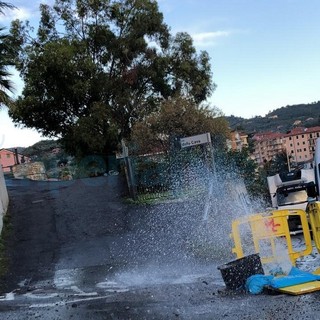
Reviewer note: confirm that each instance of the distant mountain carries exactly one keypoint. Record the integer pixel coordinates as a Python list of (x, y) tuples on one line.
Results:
[(280, 120)]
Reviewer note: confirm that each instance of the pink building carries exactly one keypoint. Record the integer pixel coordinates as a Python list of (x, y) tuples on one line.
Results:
[(8, 158), (300, 143), (266, 146)]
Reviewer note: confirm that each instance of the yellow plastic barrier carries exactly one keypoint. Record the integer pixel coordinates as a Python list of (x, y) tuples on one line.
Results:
[(313, 211), (267, 228)]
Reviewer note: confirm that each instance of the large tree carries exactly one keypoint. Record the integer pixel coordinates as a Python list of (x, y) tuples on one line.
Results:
[(98, 66), (176, 118)]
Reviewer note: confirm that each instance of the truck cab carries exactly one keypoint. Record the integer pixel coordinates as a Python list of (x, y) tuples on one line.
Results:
[(292, 191)]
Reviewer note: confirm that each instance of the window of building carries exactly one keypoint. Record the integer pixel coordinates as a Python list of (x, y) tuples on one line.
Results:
[(291, 145), (304, 149), (310, 135), (297, 137), (306, 156), (8, 155), (290, 138), (303, 142), (298, 143), (318, 134), (292, 151)]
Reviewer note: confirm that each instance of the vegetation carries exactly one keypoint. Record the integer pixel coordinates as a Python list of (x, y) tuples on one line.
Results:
[(177, 118), (98, 71), (95, 68), (278, 164), (51, 153), (240, 163), (280, 120), (4, 236), (41, 149), (6, 86), (60, 165)]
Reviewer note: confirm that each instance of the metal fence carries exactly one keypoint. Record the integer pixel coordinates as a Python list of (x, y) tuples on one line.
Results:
[(167, 176)]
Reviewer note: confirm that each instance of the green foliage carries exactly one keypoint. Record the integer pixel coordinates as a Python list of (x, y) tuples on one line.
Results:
[(5, 234), (240, 163), (97, 67), (41, 148), (260, 186), (296, 111), (279, 164), (6, 60), (177, 118), (51, 154), (89, 166), (281, 119)]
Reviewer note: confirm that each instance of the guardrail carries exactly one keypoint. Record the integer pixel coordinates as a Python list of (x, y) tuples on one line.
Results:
[(4, 199)]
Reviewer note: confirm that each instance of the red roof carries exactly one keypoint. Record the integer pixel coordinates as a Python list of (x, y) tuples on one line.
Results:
[(301, 130), (267, 136)]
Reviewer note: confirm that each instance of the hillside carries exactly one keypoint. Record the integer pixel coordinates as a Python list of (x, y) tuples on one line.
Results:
[(281, 119)]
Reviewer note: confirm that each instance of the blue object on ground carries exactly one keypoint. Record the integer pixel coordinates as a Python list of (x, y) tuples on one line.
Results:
[(256, 283), (294, 277)]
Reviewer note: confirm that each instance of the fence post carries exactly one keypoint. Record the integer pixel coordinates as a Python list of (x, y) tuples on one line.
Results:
[(129, 171), (130, 178)]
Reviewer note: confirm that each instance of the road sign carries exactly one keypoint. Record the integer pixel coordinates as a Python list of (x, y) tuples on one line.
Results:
[(195, 140)]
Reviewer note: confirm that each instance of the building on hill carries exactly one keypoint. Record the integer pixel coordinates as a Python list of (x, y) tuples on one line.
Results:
[(9, 158), (299, 144), (266, 146), (238, 141)]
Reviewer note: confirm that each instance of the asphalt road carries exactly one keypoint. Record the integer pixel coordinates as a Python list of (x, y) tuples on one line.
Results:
[(78, 251)]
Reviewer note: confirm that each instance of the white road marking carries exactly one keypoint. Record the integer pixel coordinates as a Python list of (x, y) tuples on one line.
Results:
[(8, 297)]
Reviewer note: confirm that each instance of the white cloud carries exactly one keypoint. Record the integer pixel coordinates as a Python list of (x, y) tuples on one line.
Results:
[(204, 39), (20, 13)]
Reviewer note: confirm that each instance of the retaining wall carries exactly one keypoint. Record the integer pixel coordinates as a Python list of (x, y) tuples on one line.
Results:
[(4, 199), (32, 171)]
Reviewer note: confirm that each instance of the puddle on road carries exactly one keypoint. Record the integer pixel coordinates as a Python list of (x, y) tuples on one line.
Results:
[(116, 281)]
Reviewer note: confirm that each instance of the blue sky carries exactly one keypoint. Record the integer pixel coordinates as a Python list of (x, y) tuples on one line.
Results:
[(265, 54)]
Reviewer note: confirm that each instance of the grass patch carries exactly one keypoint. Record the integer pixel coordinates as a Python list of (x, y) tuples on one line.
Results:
[(6, 230), (166, 196), (151, 198)]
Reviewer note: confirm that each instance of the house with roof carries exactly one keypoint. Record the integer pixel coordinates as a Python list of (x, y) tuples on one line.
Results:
[(238, 140), (266, 146), (10, 157), (299, 145)]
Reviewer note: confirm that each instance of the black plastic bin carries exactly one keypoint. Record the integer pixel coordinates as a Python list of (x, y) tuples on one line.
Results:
[(235, 273)]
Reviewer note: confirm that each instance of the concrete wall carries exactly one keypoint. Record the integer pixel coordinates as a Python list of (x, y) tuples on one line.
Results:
[(4, 199)]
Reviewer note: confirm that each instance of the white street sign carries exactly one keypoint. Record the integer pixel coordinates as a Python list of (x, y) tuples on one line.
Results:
[(195, 140)]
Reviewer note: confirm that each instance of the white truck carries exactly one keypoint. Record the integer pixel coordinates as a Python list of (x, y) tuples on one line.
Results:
[(290, 191), (294, 189)]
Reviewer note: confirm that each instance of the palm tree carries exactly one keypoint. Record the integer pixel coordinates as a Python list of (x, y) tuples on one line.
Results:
[(6, 85), (4, 5)]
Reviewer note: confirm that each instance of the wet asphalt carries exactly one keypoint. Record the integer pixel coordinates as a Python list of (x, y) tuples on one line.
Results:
[(77, 250)]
